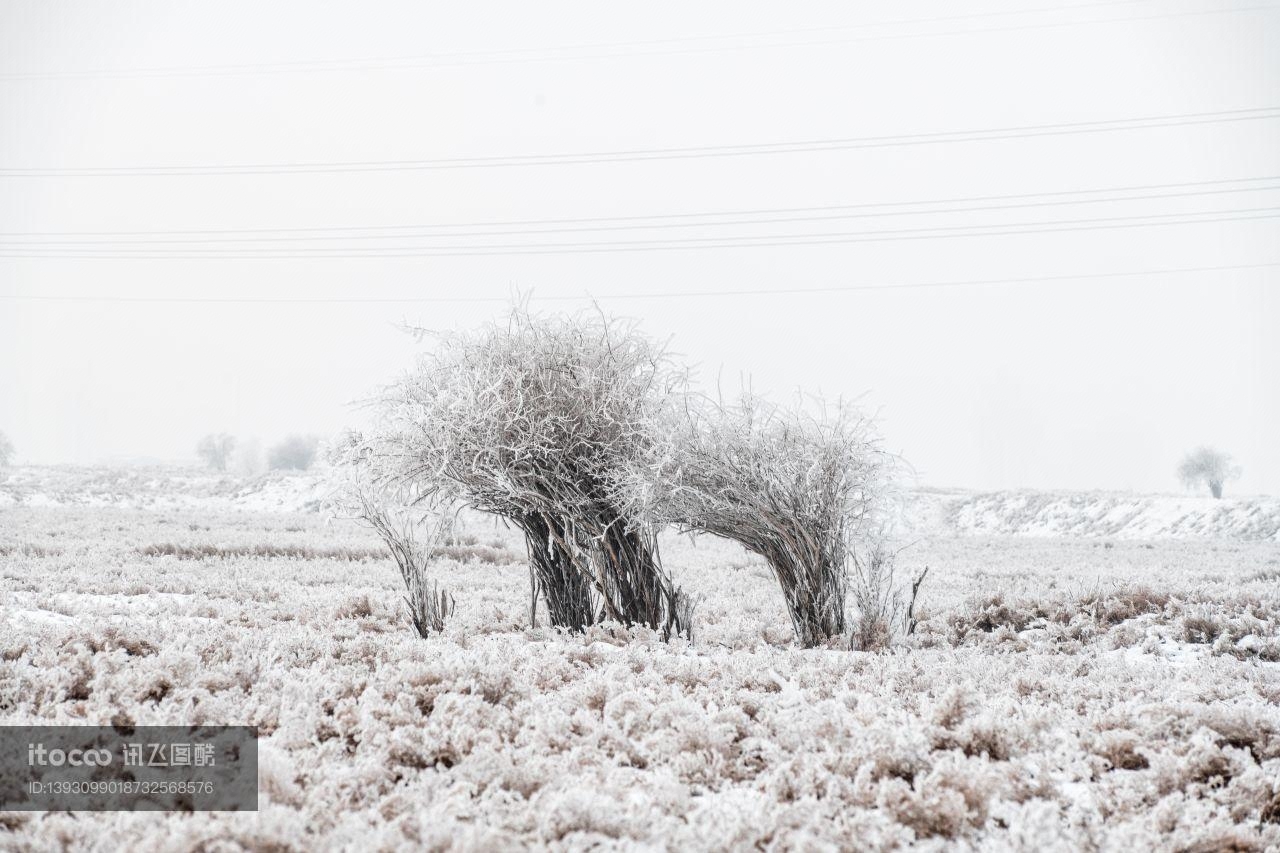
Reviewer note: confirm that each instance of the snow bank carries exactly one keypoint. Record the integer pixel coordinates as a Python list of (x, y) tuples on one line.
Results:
[(159, 488), (1118, 515)]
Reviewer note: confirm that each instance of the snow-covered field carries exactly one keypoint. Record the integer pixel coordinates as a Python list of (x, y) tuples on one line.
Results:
[(1116, 688)]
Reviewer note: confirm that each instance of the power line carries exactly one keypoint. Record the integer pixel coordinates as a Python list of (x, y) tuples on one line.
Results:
[(522, 55), (346, 300), (682, 153), (681, 221), (333, 229), (668, 244)]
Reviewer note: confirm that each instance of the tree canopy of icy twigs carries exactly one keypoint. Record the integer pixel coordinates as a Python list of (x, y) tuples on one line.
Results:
[(528, 419), (1208, 466), (798, 488)]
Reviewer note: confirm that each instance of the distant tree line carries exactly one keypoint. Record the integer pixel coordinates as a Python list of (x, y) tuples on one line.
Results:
[(293, 453)]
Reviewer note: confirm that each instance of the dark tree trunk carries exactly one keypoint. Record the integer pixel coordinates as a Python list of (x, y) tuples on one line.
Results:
[(636, 588), (1215, 488), (814, 596), (631, 575), (565, 589)]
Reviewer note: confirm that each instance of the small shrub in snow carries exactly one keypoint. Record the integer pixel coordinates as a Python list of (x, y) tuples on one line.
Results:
[(885, 608), (429, 605), (6, 450)]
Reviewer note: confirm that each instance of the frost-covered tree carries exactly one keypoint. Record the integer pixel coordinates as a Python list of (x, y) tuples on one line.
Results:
[(529, 419), (297, 453), (6, 450), (215, 449), (1206, 466), (800, 489)]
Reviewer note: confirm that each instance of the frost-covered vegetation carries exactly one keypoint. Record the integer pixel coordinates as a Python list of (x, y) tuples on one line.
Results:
[(585, 434), (529, 419), (1207, 466), (1057, 694), (803, 491)]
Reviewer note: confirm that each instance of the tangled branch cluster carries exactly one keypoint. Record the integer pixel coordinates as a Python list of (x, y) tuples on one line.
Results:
[(798, 488), (582, 433), (527, 420)]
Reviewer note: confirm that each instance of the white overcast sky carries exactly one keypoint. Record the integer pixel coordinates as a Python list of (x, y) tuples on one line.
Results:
[(1080, 383)]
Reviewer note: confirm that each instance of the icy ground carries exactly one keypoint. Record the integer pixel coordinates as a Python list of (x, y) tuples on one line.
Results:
[(1062, 693)]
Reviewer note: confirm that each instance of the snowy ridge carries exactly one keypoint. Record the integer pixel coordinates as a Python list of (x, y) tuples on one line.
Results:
[(1119, 515), (160, 488)]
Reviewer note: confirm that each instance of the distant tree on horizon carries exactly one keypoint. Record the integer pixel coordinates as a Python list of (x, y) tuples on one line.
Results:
[(1208, 466), (6, 450), (296, 452), (215, 449)]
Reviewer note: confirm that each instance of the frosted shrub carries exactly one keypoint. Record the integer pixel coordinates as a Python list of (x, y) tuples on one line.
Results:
[(429, 605), (528, 419), (796, 488), (885, 609)]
